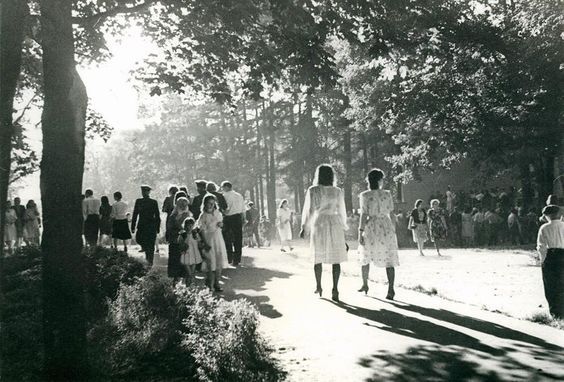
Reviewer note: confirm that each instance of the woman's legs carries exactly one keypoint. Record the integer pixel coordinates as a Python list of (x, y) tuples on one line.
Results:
[(116, 244), (317, 270), (336, 275), (365, 270), (420, 245), (437, 247), (391, 273), (216, 285)]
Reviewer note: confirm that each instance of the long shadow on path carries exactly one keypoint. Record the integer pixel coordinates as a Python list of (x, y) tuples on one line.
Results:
[(249, 278), (445, 359), (540, 349)]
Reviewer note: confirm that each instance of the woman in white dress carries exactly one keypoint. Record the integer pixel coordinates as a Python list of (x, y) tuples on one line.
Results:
[(324, 218), (285, 225), (10, 231), (378, 243)]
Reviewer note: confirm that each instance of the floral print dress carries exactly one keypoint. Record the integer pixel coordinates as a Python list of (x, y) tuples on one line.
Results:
[(380, 240), (436, 225)]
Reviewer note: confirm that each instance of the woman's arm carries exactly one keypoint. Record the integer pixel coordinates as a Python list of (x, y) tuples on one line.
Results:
[(305, 213)]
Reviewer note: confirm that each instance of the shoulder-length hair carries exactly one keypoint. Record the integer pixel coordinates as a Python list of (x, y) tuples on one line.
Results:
[(181, 205), (324, 175), (206, 199)]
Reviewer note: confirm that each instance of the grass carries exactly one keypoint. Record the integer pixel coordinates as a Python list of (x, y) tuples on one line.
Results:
[(545, 318)]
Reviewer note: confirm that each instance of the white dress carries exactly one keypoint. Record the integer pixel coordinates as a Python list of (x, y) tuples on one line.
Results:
[(192, 255), (10, 232), (324, 217), (380, 240), (284, 225), (211, 233)]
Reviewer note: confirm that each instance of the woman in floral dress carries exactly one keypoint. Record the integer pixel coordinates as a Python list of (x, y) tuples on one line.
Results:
[(378, 243), (437, 224), (324, 218)]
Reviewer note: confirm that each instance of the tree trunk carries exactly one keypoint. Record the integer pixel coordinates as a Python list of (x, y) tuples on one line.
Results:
[(347, 157), (12, 16), (12, 21), (364, 153), (271, 181), (62, 167), (526, 184)]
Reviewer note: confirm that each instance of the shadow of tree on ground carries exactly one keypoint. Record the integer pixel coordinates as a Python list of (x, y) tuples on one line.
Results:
[(249, 278), (449, 356)]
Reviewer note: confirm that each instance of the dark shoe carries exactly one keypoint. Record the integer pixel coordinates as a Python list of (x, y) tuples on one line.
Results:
[(335, 295), (319, 290), (291, 249), (364, 289), (390, 295), (217, 288), (282, 250)]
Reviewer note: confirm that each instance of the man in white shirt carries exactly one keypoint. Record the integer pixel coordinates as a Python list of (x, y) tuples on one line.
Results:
[(233, 220), (550, 245), (91, 216)]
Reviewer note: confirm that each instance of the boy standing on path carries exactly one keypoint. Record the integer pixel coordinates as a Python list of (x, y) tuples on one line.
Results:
[(550, 245)]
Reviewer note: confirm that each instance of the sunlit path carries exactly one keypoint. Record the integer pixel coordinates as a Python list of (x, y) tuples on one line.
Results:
[(367, 338)]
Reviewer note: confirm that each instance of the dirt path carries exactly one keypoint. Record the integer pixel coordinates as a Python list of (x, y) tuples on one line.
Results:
[(367, 338)]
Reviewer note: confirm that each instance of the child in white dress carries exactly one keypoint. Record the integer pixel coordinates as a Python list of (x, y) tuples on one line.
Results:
[(210, 223), (190, 250)]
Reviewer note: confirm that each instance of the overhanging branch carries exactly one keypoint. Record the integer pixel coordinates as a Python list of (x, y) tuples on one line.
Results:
[(95, 19)]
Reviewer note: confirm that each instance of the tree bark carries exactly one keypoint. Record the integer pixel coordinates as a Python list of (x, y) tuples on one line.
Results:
[(62, 167), (12, 17), (271, 181), (347, 157), (12, 21)]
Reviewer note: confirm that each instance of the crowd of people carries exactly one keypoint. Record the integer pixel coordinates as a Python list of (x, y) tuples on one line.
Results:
[(207, 231), (22, 224)]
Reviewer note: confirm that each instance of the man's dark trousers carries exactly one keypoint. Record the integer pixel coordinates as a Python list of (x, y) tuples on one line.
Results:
[(233, 228)]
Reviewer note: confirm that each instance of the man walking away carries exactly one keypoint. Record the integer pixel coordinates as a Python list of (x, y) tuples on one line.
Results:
[(147, 211), (91, 215), (233, 222)]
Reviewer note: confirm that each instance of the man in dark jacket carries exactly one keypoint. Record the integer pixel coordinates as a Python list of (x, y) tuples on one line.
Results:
[(196, 205), (221, 203), (149, 225)]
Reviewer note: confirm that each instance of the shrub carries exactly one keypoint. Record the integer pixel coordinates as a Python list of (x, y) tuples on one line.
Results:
[(154, 330), (22, 316), (105, 271)]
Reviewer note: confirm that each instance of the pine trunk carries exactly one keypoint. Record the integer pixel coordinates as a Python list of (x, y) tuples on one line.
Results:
[(271, 181), (347, 157), (62, 168)]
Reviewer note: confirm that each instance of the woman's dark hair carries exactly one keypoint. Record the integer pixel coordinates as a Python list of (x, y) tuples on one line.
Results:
[(180, 194), (324, 175), (105, 201), (118, 195), (467, 210), (172, 190), (205, 201), (282, 202), (418, 202), (374, 176), (188, 221), (552, 199)]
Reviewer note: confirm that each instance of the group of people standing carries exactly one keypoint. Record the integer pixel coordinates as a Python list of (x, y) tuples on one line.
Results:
[(203, 232), (22, 224), (324, 219)]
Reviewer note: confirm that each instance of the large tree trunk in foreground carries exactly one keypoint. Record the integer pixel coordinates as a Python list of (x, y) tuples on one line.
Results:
[(12, 16), (12, 21), (62, 167)]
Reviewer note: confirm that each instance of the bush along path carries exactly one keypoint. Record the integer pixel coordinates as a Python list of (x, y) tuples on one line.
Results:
[(367, 338), (141, 327)]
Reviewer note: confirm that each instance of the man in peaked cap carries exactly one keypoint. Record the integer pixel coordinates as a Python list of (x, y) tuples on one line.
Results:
[(149, 224)]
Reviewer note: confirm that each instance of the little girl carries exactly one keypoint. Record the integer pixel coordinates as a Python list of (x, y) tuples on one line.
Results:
[(210, 223), (190, 251)]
